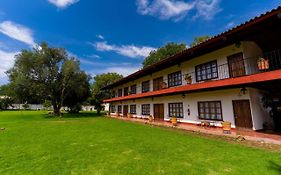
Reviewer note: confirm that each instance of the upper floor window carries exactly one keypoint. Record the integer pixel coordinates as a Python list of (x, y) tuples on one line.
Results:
[(126, 91), (133, 89), (158, 83), (175, 79), (210, 110), (145, 109), (133, 109), (206, 71), (176, 110), (145, 86), (119, 93)]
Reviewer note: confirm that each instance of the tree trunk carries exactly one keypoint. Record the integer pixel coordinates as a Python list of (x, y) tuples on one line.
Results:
[(98, 111), (56, 108)]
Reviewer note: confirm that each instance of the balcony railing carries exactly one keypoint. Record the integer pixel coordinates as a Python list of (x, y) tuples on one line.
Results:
[(242, 67)]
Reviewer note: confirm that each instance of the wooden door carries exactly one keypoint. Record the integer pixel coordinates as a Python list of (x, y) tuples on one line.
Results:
[(159, 111), (125, 110), (242, 114), (236, 65), (157, 83)]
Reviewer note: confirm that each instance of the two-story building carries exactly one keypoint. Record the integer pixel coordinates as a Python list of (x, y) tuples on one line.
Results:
[(234, 76)]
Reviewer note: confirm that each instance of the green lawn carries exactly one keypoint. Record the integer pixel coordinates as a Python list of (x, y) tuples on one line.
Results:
[(86, 144)]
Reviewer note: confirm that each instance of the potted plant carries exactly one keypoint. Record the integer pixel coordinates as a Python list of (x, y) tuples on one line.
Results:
[(263, 64), (174, 121), (129, 115), (150, 118), (188, 78), (226, 126)]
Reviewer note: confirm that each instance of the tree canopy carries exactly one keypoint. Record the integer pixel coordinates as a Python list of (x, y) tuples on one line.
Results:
[(47, 73), (162, 53), (101, 81), (199, 39)]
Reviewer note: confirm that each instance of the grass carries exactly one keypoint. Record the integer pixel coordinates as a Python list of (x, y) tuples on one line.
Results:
[(88, 144)]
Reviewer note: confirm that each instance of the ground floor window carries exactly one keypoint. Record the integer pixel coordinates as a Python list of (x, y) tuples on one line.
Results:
[(133, 109), (176, 110), (210, 110), (145, 109), (119, 109), (112, 108)]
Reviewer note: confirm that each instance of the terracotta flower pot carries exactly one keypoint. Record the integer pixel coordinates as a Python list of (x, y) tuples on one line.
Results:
[(263, 64), (226, 126), (174, 121), (150, 118)]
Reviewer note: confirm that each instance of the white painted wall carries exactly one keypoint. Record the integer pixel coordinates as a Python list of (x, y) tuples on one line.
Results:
[(259, 114)]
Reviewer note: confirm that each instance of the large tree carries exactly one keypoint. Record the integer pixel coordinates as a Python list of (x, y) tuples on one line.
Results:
[(99, 95), (199, 39), (163, 52), (47, 73)]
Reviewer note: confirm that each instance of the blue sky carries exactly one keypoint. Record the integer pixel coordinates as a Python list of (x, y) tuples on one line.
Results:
[(112, 35)]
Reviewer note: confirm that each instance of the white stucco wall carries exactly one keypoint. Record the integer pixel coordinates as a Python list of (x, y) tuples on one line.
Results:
[(259, 114)]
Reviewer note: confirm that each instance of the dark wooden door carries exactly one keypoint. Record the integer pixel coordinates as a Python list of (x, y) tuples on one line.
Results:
[(242, 114), (236, 65), (158, 83), (159, 111), (125, 110)]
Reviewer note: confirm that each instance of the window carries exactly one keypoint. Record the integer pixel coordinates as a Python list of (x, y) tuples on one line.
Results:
[(174, 79), (176, 110), (145, 86), (113, 94), (158, 83), (119, 108), (133, 89), (112, 109), (133, 109), (206, 71), (145, 109), (119, 92), (210, 110), (126, 91)]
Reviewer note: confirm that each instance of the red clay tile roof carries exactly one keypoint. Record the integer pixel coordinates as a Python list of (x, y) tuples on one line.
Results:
[(226, 83), (220, 40)]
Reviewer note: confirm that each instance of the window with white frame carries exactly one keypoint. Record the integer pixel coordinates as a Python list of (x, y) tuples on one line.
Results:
[(206, 71), (119, 109), (176, 110), (210, 110), (145, 109), (175, 79), (133, 109)]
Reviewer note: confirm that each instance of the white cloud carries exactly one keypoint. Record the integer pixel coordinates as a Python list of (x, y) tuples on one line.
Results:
[(230, 25), (207, 9), (131, 51), (121, 70), (100, 37), (7, 60), (63, 3), (17, 32), (178, 9)]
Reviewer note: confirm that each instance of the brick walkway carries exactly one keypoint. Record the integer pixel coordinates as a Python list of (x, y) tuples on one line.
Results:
[(247, 134)]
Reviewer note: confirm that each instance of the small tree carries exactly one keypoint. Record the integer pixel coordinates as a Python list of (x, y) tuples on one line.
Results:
[(162, 53), (99, 95), (199, 39), (47, 104)]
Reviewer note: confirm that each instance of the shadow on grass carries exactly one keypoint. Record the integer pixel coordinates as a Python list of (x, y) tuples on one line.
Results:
[(79, 115), (275, 166)]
